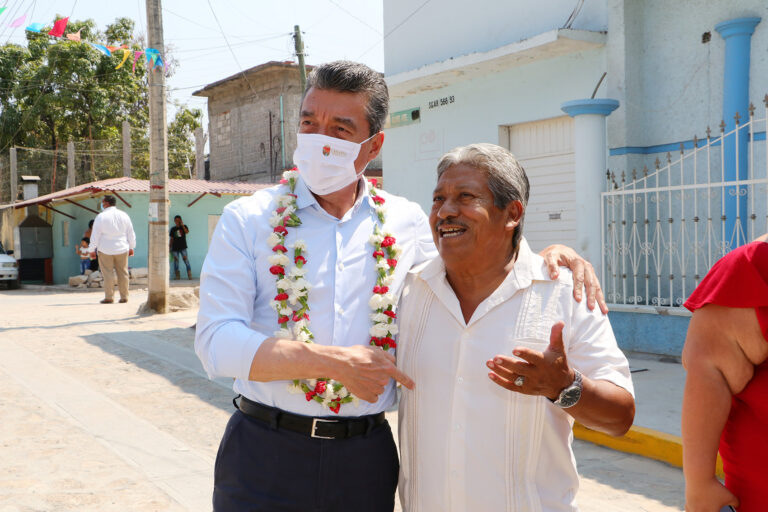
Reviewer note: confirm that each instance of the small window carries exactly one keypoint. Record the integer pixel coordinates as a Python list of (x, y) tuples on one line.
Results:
[(65, 233)]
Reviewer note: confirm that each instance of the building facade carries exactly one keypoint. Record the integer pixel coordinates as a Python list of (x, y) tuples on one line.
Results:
[(607, 105)]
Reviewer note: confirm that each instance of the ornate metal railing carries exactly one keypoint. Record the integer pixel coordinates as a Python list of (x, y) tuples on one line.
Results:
[(664, 228)]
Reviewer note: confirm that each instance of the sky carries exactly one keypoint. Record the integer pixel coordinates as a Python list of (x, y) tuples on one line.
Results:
[(214, 39)]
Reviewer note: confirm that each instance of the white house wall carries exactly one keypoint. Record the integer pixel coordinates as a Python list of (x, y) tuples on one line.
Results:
[(670, 84), (449, 28), (481, 106)]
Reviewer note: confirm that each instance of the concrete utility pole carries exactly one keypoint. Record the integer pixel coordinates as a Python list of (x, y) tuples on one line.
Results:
[(126, 149), (14, 177), (70, 164), (200, 153), (299, 45), (157, 296)]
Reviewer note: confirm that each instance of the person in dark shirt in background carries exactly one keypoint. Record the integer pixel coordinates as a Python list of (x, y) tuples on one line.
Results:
[(178, 246)]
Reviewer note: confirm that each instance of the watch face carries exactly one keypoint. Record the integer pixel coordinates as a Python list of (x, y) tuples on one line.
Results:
[(570, 396)]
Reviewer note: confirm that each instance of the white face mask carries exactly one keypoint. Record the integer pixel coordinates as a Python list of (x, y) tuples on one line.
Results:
[(326, 164)]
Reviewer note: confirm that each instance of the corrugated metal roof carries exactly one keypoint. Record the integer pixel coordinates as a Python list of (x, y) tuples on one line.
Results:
[(134, 185)]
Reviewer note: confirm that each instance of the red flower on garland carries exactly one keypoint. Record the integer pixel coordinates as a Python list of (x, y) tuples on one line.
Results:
[(283, 320), (378, 200), (281, 209), (380, 289), (388, 241), (309, 395), (296, 317), (301, 259), (390, 314), (392, 262), (335, 406), (320, 387), (279, 247), (277, 270), (284, 296), (281, 230), (388, 341), (373, 181), (376, 341), (377, 254)]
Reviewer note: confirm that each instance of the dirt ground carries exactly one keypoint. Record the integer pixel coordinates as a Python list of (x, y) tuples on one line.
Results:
[(105, 409)]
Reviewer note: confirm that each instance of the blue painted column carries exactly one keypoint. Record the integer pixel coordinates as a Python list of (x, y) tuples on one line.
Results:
[(590, 154), (737, 34)]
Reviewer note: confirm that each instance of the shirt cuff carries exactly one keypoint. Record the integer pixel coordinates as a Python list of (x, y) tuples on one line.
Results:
[(236, 352)]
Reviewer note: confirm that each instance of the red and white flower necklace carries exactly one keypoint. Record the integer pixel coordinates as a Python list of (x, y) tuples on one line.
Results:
[(292, 302)]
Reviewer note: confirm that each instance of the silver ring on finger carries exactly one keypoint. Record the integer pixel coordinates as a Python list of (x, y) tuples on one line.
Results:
[(519, 381)]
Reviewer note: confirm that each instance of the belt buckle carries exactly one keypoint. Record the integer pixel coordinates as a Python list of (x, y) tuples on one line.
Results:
[(314, 428)]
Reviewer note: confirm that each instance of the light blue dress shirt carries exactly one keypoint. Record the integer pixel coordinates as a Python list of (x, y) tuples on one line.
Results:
[(236, 286)]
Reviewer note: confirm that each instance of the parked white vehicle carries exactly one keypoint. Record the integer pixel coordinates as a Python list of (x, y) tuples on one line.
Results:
[(9, 269)]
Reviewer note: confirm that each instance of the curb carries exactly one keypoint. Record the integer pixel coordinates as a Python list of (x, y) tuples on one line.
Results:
[(642, 441)]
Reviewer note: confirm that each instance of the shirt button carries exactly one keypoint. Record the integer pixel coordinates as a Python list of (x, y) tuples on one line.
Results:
[(340, 310), (457, 427), (461, 380), (341, 266)]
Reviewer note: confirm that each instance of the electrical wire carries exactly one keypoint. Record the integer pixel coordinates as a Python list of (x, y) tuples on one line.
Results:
[(230, 48), (420, 7)]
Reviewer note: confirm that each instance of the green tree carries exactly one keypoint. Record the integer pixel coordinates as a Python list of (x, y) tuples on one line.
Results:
[(181, 142), (53, 91)]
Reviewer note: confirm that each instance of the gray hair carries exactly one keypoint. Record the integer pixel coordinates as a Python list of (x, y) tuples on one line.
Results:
[(348, 76), (506, 177)]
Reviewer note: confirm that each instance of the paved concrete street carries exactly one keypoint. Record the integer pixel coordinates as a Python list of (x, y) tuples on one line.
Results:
[(103, 409)]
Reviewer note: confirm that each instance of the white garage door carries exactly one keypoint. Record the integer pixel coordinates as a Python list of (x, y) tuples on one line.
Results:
[(545, 149)]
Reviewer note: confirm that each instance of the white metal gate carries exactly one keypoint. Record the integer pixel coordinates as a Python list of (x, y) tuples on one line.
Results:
[(664, 228)]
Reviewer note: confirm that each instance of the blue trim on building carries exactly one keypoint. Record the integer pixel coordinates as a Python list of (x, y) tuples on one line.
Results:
[(651, 334), (671, 147), (601, 106)]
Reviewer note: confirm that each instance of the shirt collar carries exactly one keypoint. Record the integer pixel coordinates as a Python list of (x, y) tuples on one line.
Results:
[(527, 268), (305, 198)]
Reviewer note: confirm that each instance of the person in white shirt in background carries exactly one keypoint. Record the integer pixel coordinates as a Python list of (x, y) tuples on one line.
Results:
[(112, 234), (319, 238), (503, 358)]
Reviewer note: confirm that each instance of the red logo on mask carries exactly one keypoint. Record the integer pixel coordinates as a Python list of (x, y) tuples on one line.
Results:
[(326, 150)]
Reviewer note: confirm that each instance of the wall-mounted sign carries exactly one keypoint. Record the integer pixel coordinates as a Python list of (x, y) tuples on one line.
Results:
[(405, 117)]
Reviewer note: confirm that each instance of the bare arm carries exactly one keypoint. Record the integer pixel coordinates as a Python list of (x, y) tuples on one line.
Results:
[(603, 405), (763, 238), (721, 348), (584, 275), (365, 371)]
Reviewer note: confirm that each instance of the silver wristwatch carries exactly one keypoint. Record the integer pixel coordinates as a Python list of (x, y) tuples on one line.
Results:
[(570, 396)]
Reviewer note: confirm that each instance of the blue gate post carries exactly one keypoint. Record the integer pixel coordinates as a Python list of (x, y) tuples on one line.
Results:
[(737, 34)]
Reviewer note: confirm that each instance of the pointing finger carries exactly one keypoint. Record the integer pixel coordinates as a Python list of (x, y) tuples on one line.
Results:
[(403, 379)]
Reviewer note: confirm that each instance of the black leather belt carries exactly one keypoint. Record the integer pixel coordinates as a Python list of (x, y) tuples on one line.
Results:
[(319, 428)]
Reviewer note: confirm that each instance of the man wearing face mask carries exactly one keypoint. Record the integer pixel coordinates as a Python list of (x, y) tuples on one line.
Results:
[(297, 297)]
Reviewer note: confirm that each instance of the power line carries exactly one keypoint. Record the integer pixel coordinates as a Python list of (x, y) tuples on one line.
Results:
[(394, 28), (230, 47), (355, 17)]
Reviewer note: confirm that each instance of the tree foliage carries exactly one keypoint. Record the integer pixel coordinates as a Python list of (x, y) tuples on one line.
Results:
[(53, 91), (181, 142)]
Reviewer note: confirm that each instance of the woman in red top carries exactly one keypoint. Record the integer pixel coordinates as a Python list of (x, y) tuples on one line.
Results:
[(725, 404)]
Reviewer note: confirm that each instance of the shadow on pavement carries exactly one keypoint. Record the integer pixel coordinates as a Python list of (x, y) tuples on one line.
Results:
[(168, 353)]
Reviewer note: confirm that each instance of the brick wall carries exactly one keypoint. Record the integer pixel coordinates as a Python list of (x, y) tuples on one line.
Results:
[(239, 125)]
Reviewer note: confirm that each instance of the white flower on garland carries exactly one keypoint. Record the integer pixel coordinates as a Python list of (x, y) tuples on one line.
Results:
[(284, 284), (278, 259), (284, 200), (379, 317), (295, 388), (388, 280), (300, 284), (290, 175), (303, 336), (296, 271), (382, 264), (275, 220), (312, 383), (389, 299), (274, 239), (379, 330), (300, 245), (376, 239), (286, 311), (376, 301)]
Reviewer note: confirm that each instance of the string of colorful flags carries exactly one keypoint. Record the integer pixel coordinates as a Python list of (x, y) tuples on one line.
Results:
[(152, 55)]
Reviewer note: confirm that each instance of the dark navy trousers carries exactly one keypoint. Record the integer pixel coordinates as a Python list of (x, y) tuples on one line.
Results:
[(260, 468)]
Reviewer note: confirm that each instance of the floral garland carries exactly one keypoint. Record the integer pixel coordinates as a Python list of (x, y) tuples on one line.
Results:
[(291, 302)]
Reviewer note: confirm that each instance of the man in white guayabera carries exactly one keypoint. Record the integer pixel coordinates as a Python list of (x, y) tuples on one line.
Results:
[(504, 359), (297, 304)]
